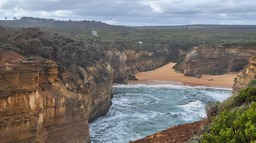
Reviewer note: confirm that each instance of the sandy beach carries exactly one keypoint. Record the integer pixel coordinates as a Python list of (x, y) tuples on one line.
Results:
[(167, 75)]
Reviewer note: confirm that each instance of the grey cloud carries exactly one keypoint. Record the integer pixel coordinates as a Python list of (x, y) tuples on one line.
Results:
[(137, 12)]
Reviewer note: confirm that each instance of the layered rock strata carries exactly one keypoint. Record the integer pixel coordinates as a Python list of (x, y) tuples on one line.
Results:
[(36, 107), (247, 75), (53, 100), (216, 60)]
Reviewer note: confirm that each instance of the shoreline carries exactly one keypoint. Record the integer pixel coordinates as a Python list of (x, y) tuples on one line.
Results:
[(167, 75)]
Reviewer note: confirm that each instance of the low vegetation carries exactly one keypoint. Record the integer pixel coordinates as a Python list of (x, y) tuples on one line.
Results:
[(236, 126), (245, 96), (252, 83), (172, 37), (212, 109), (234, 120)]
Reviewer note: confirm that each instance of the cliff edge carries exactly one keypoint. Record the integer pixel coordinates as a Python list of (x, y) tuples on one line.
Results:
[(56, 85)]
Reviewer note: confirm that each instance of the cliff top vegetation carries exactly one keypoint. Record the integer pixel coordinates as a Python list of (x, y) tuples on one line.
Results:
[(183, 37)]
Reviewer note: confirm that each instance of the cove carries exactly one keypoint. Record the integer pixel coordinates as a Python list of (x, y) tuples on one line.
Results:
[(141, 110)]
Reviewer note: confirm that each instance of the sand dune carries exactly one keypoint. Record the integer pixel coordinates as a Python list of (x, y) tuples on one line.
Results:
[(167, 75)]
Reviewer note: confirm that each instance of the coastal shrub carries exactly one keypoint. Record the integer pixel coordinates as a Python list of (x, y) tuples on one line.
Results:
[(212, 109), (246, 95), (236, 126), (252, 83), (227, 104)]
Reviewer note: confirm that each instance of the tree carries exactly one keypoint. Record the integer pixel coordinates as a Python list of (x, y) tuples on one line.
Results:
[(5, 18)]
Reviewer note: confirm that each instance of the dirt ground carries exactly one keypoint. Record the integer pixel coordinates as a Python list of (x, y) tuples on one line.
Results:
[(178, 134)]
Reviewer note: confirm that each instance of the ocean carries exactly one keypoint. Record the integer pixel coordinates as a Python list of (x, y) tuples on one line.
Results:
[(141, 110)]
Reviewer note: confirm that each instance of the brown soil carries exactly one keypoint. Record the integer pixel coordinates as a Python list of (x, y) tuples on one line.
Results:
[(177, 134)]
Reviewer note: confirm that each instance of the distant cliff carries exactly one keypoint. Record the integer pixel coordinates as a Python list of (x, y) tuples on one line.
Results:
[(58, 85), (215, 60)]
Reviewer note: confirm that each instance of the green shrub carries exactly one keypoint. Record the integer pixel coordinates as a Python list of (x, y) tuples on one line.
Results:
[(237, 126), (252, 83), (212, 109), (246, 95), (227, 104)]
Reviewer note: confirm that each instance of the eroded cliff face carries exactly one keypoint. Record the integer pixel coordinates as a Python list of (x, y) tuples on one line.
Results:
[(216, 60), (128, 62), (53, 100), (245, 76), (36, 107)]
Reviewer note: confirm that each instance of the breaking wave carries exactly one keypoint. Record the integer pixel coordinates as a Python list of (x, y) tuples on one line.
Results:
[(140, 110)]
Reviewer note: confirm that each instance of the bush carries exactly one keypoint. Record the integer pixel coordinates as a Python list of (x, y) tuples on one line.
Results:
[(237, 126), (246, 95), (212, 109), (227, 104), (252, 83)]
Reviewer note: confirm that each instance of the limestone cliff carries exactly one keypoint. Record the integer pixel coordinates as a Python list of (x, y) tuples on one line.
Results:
[(245, 76), (53, 100), (216, 60), (36, 107), (129, 62)]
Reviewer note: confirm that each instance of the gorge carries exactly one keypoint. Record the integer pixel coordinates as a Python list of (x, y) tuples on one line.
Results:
[(52, 86)]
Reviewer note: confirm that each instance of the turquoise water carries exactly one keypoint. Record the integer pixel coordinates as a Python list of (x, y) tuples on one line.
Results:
[(140, 110)]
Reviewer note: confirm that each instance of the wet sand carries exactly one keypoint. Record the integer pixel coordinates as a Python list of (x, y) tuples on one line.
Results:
[(167, 75)]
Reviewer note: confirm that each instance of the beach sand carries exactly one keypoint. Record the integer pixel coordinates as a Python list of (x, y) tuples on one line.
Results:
[(167, 75)]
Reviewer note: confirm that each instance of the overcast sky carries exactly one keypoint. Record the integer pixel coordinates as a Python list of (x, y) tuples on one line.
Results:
[(136, 12)]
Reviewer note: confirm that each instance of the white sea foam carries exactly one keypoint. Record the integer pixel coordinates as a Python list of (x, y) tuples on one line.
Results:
[(172, 86), (218, 95), (148, 86), (154, 100), (196, 108), (139, 110)]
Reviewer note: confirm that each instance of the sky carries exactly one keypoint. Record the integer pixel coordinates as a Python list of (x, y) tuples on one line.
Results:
[(136, 12)]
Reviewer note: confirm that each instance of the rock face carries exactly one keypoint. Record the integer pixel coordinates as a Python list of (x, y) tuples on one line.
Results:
[(36, 107), (126, 63), (245, 76), (216, 60), (53, 100)]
